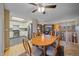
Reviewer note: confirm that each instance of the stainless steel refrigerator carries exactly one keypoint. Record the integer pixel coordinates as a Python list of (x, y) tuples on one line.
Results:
[(30, 31)]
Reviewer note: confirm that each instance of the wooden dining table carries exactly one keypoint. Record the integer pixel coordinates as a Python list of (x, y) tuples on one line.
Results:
[(43, 41)]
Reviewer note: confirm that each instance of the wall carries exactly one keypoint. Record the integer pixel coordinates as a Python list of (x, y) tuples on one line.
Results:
[(6, 29), (1, 29)]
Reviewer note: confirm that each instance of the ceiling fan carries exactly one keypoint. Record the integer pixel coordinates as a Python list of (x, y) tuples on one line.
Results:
[(41, 7)]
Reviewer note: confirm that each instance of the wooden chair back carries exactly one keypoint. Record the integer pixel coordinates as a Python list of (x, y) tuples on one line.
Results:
[(34, 35), (27, 47)]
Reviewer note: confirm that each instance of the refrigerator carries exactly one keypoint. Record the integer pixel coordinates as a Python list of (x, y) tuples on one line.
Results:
[(30, 31)]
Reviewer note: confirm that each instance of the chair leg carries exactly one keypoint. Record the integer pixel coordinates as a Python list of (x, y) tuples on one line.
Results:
[(44, 50)]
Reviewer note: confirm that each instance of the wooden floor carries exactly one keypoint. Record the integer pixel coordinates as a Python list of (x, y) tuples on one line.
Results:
[(70, 50), (73, 50), (15, 50)]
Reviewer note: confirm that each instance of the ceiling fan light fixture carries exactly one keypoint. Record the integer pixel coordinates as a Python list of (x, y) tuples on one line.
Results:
[(41, 9)]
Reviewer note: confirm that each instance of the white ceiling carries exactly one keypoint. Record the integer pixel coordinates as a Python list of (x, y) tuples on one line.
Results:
[(63, 11)]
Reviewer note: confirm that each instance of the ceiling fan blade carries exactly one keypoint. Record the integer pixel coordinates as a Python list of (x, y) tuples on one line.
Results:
[(51, 6), (34, 10), (33, 4)]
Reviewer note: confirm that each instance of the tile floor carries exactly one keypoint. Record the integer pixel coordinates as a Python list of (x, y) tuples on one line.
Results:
[(15, 41)]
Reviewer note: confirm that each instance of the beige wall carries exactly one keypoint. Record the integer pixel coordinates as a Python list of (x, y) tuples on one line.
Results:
[(6, 29)]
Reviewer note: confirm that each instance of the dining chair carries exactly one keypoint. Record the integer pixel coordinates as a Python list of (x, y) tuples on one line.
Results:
[(31, 50), (52, 34), (34, 35), (52, 50), (78, 37), (39, 33)]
